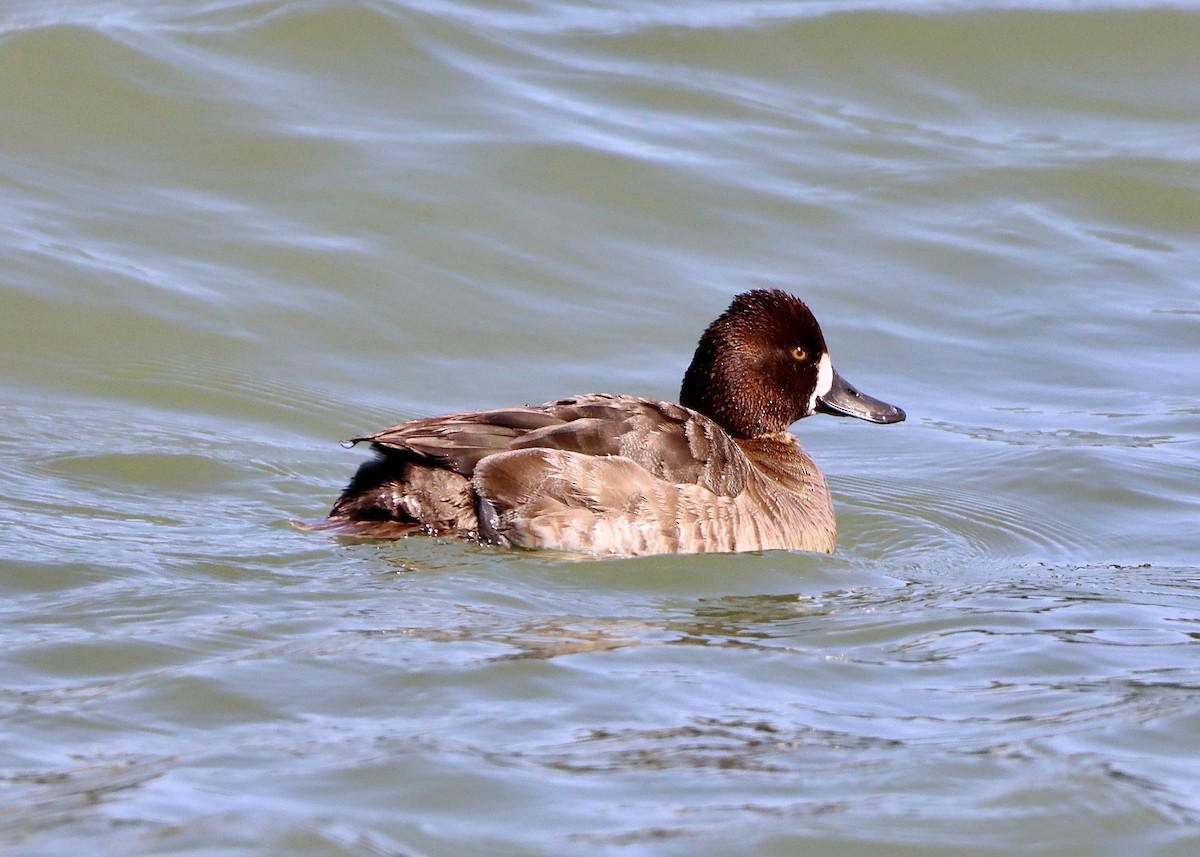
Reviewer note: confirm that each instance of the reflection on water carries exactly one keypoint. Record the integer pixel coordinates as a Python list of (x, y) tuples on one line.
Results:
[(1059, 437)]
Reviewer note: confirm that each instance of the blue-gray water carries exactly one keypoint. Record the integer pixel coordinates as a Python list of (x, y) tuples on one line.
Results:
[(233, 233)]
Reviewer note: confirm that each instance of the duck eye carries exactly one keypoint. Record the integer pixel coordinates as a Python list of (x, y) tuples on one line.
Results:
[(799, 353)]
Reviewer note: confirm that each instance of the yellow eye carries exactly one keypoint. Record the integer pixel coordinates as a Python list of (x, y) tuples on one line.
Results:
[(799, 353)]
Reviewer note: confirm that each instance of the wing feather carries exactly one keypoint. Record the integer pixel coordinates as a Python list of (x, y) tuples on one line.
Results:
[(669, 441)]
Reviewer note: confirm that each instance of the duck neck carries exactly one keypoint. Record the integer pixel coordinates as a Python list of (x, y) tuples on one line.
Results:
[(730, 396)]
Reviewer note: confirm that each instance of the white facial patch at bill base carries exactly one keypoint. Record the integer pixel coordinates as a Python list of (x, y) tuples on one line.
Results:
[(824, 381)]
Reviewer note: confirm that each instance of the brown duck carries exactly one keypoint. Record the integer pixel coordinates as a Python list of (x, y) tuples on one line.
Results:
[(610, 474)]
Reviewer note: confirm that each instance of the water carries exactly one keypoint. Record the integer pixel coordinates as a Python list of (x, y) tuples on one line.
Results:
[(233, 233)]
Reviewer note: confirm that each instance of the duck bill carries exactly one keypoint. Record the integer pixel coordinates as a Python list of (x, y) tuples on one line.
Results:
[(844, 400)]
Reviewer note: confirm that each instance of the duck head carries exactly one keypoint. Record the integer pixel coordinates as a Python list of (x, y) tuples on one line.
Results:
[(763, 365)]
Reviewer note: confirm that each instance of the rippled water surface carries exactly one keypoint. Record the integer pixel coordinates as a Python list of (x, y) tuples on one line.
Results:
[(233, 233)]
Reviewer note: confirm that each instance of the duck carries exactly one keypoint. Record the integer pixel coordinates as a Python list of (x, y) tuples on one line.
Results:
[(622, 475)]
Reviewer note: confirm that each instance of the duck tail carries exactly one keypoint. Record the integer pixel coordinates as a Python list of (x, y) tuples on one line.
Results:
[(360, 529)]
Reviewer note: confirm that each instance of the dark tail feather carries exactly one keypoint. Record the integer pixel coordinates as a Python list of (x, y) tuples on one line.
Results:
[(393, 496), (361, 529)]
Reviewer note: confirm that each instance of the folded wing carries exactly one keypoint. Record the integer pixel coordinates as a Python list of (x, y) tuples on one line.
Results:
[(669, 441)]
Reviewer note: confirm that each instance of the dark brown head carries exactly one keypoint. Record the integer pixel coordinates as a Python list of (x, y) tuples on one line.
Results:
[(763, 365)]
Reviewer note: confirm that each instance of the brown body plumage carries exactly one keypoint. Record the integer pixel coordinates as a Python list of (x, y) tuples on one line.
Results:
[(624, 475)]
